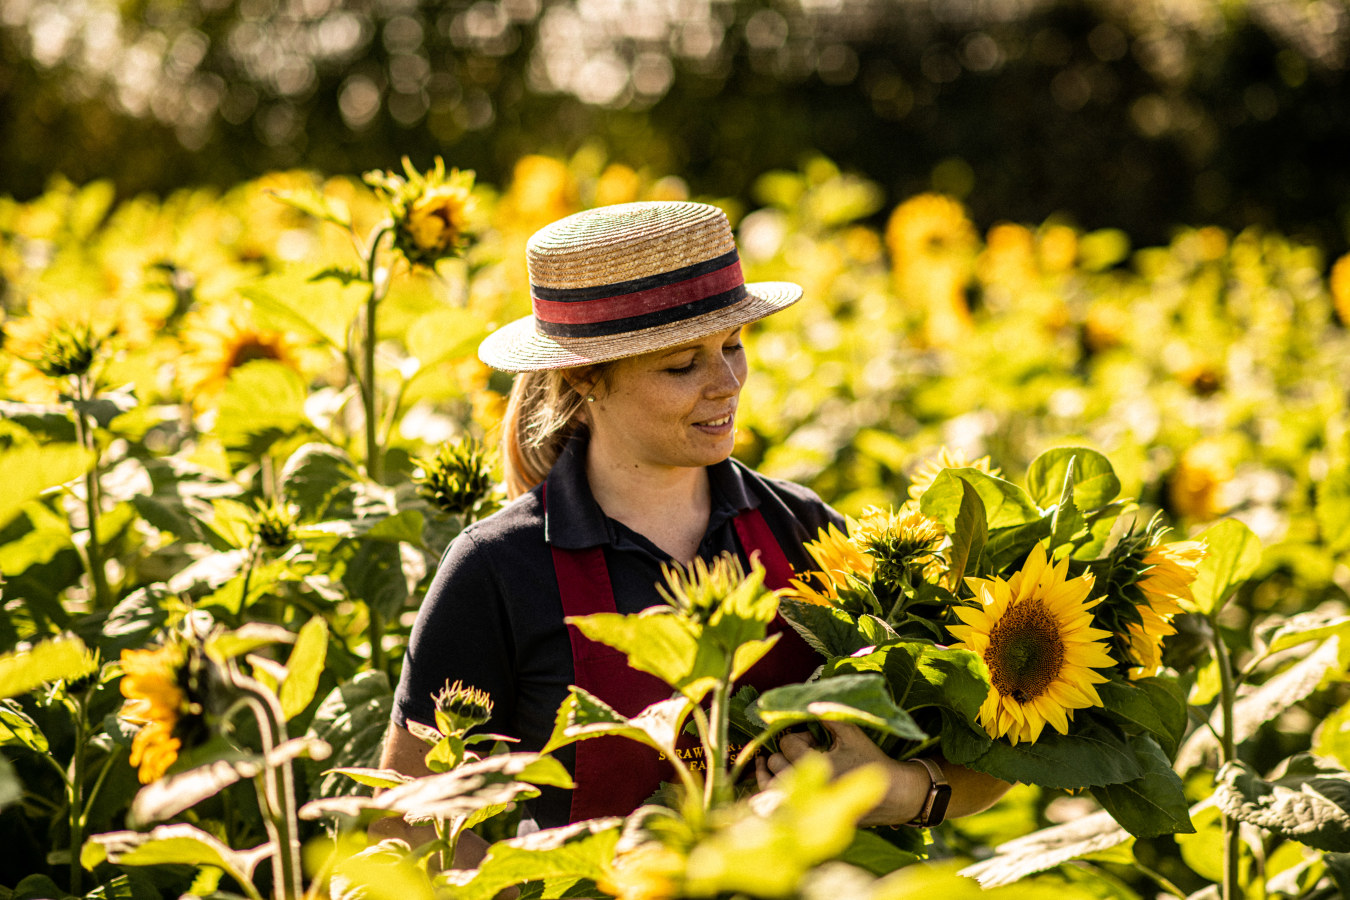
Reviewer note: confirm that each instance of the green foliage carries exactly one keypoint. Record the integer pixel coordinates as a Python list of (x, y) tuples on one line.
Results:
[(236, 453)]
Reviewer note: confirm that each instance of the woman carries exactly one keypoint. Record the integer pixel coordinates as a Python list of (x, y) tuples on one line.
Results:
[(617, 446)]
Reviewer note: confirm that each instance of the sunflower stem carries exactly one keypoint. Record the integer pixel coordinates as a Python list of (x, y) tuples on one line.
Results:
[(93, 552), (369, 396), (75, 797), (375, 636), (276, 788), (1232, 837)]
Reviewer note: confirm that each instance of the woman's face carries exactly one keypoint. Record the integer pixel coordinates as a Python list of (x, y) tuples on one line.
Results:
[(672, 407)]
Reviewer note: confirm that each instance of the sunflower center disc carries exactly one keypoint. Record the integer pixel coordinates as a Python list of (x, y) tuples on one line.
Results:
[(1025, 651)]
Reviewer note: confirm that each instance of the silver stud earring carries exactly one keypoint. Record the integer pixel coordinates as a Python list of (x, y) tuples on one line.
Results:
[(590, 398)]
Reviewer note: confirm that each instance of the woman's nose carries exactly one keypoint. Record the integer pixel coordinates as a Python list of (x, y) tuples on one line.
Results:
[(725, 380)]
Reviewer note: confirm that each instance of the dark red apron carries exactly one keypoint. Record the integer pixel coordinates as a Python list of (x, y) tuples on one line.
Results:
[(615, 775)]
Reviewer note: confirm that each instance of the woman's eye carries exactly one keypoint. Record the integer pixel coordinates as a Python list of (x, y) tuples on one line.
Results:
[(733, 348), (681, 370)]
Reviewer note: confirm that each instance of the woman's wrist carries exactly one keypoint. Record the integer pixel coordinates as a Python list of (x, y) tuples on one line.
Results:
[(908, 783)]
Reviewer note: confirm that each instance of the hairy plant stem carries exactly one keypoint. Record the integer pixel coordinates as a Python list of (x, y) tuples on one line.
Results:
[(75, 796), (375, 637), (369, 395), (93, 552), (276, 788), (1232, 837)]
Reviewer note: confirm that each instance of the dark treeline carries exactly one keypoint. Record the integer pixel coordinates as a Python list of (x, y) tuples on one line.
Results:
[(1104, 112)]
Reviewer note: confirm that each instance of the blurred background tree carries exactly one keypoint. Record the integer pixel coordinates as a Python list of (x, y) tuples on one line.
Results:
[(1136, 114)]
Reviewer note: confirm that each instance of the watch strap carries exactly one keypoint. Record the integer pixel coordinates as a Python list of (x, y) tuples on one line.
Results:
[(934, 808)]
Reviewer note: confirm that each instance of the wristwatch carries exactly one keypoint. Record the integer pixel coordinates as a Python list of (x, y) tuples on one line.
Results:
[(934, 808)]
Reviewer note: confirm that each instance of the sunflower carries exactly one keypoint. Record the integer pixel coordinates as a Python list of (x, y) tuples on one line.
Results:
[(219, 340), (1340, 288), (1167, 572), (1195, 488), (933, 246), (437, 221), (839, 561), (156, 701), (922, 478), (649, 871), (1034, 632)]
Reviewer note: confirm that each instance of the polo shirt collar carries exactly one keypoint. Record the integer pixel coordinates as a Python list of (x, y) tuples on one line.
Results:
[(573, 519)]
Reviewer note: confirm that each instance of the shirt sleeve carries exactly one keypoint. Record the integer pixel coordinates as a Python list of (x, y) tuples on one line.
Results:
[(460, 634)]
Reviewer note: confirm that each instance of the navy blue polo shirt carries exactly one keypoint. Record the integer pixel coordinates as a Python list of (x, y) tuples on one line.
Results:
[(493, 617)]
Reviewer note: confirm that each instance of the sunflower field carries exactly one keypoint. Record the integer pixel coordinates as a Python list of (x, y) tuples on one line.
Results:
[(241, 427)]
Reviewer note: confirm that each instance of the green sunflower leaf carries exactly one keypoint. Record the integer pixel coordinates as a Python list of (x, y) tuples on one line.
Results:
[(1088, 757), (969, 536), (1005, 503), (827, 629), (583, 715), (582, 850), (1094, 481), (1152, 805), (1151, 705), (861, 699), (1234, 553), (1308, 804)]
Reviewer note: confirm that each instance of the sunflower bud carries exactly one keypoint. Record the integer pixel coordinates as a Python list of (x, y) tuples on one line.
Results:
[(457, 479), (698, 591), (460, 708), (899, 542), (432, 212), (68, 350), (274, 523)]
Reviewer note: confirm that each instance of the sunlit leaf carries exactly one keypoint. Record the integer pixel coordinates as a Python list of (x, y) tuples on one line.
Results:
[(172, 794), (1047, 848), (1265, 703), (969, 536), (860, 699), (320, 206), (813, 820), (262, 400), (59, 658), (304, 668), (31, 469), (583, 715), (1233, 555), (582, 850), (1333, 511), (1005, 503), (180, 843), (1094, 479)]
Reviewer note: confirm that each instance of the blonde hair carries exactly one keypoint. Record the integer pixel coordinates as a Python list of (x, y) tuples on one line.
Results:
[(544, 410)]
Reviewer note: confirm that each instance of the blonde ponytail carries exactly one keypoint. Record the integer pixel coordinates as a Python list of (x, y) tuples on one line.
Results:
[(543, 411)]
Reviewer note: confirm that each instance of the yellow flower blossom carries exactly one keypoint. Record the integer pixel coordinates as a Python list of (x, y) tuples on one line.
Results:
[(156, 702), (219, 340), (1340, 289), (922, 478), (1034, 632), (1169, 571), (438, 219), (649, 871)]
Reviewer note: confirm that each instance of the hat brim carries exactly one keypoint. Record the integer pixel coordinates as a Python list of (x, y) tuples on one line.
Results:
[(518, 347)]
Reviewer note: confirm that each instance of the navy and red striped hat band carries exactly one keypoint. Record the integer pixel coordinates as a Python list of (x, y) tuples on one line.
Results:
[(607, 309)]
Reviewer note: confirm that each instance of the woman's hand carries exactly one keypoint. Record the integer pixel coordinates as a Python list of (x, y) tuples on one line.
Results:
[(908, 780)]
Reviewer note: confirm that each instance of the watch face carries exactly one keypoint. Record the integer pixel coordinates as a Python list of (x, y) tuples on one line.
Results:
[(942, 795)]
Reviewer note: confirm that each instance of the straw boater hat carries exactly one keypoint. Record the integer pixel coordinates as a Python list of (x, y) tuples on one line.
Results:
[(628, 279)]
